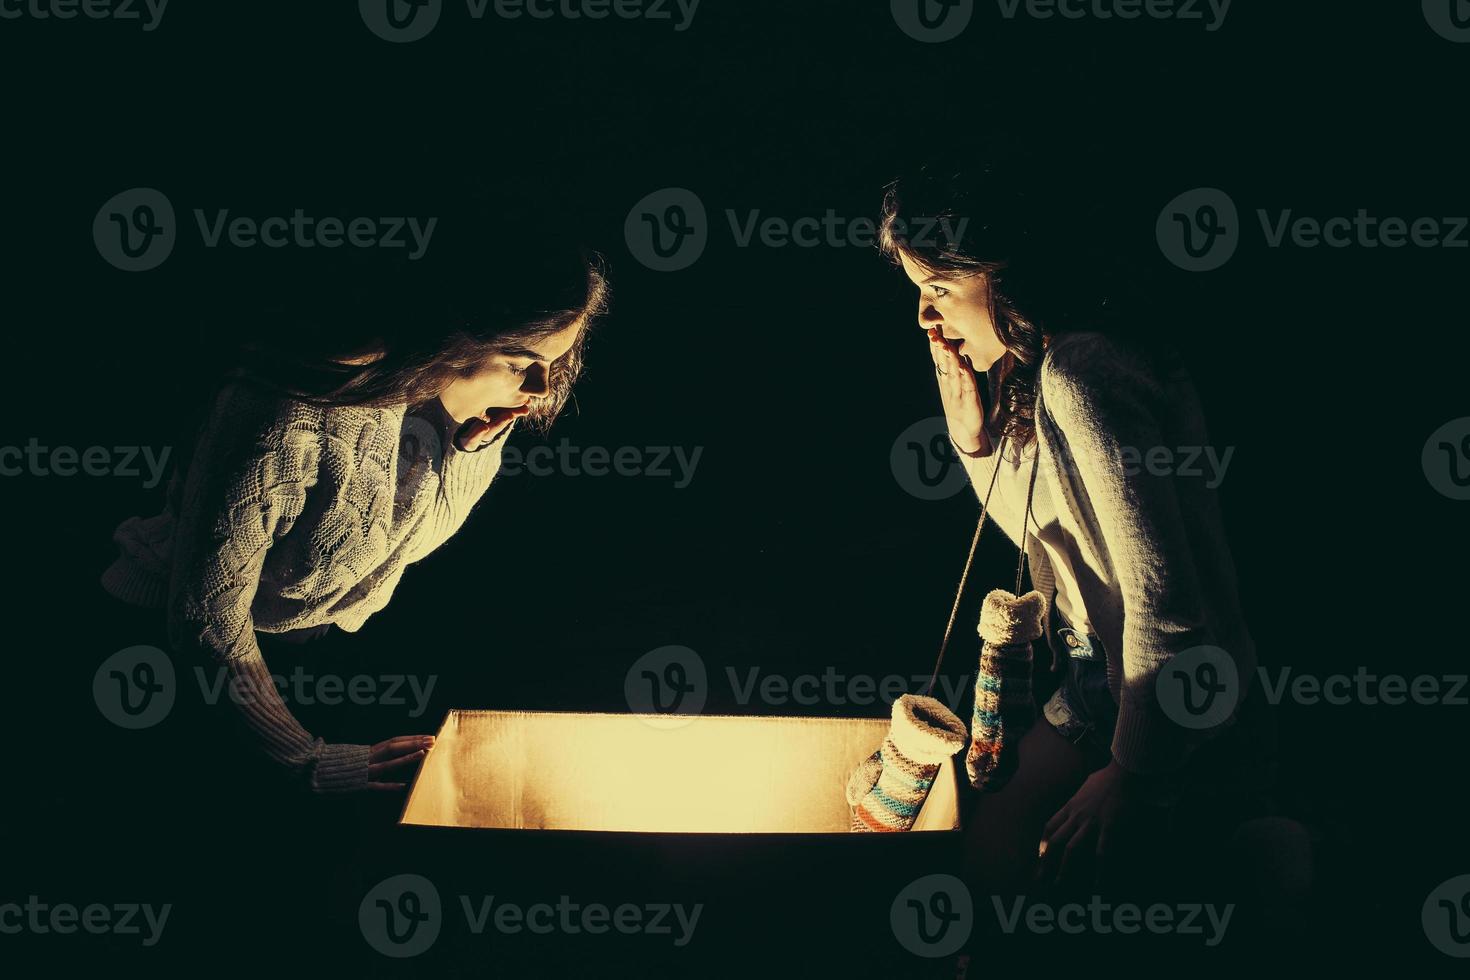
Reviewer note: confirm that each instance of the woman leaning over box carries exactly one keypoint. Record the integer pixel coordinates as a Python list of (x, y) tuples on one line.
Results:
[(354, 429)]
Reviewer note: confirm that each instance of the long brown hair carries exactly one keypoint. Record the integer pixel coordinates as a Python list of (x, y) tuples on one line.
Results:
[(1043, 278), (372, 329)]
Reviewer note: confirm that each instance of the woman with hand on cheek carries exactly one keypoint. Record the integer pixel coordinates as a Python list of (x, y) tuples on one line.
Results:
[(1020, 321), (348, 437)]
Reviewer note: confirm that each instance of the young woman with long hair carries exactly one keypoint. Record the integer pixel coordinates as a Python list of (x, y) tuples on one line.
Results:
[(1052, 392), (350, 421)]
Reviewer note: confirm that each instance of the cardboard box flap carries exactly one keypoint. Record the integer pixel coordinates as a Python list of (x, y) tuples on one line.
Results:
[(651, 773)]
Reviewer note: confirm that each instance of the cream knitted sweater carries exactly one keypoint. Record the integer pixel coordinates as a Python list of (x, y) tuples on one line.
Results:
[(1146, 553), (291, 516)]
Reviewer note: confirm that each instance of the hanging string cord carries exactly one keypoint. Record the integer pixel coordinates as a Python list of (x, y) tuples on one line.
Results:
[(969, 561), (975, 542), (1026, 520)]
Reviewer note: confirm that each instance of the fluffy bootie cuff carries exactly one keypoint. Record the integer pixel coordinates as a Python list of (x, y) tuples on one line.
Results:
[(1004, 708), (888, 789), (1005, 619), (925, 731)]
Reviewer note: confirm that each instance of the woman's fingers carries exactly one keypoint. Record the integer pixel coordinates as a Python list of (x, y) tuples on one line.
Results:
[(401, 745), (501, 416), (1078, 849), (1054, 841), (398, 762), (943, 365), (1055, 823), (484, 429)]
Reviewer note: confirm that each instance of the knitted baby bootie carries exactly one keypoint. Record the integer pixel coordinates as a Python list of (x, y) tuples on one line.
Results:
[(888, 789), (1004, 707)]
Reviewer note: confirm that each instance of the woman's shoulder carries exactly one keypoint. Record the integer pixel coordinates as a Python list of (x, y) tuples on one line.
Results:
[(1087, 375), (272, 421), (1087, 361)]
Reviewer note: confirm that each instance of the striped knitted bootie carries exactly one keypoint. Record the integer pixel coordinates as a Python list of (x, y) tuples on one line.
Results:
[(1004, 707), (888, 789)]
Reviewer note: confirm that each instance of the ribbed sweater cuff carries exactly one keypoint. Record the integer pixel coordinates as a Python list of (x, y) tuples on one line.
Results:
[(126, 581), (1146, 742), (325, 767), (467, 475), (341, 769)]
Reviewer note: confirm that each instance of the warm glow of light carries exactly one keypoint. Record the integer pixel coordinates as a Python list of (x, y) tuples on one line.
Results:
[(706, 774)]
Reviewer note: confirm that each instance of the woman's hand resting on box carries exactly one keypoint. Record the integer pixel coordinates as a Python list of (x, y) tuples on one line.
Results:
[(396, 758)]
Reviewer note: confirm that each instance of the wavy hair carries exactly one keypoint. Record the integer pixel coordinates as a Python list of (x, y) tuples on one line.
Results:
[(407, 337), (1043, 276)]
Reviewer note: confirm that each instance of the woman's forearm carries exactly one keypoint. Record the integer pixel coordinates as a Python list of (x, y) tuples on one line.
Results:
[(270, 726)]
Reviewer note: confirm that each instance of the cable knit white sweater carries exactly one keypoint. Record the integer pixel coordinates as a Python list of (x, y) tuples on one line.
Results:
[(292, 516), (1147, 552)]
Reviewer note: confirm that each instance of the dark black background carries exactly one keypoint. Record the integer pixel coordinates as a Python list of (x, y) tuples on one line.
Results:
[(794, 369)]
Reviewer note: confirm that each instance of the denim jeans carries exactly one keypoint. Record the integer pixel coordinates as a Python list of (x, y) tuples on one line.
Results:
[(1082, 708), (1239, 766)]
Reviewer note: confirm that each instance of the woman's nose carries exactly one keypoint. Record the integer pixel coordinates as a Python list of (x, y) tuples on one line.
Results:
[(537, 383), (928, 315)]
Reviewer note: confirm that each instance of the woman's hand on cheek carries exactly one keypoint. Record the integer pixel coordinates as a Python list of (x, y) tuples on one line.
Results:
[(960, 395), (1107, 822), (478, 432)]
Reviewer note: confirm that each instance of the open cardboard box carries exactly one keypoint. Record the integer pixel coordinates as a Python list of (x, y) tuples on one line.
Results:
[(743, 817), (664, 774)]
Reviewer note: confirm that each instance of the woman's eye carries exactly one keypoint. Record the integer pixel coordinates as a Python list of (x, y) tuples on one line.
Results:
[(940, 292), (518, 372)]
